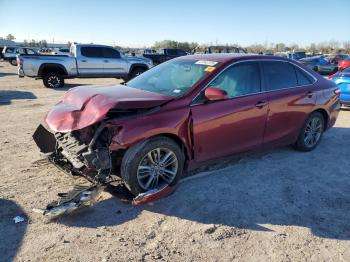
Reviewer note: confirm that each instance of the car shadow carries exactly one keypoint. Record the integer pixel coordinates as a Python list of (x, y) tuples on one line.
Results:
[(6, 96), (6, 74), (12, 234), (275, 187)]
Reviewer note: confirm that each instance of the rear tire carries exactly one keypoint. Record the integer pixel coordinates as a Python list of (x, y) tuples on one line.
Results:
[(138, 167), (53, 80), (13, 62), (311, 133)]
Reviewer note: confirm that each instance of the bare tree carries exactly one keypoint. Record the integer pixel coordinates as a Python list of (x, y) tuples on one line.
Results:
[(10, 37)]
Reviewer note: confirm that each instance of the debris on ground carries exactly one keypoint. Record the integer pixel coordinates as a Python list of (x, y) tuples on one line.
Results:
[(18, 219)]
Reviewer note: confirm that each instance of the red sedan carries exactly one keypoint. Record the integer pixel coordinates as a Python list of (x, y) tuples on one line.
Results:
[(184, 112), (343, 63)]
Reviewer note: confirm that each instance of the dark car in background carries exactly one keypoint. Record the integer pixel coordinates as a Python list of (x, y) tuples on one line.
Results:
[(225, 49), (165, 54), (184, 112)]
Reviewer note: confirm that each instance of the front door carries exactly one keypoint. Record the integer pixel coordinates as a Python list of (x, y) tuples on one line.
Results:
[(235, 124)]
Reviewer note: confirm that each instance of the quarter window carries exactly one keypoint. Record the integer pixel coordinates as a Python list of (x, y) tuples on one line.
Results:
[(239, 80), (279, 75)]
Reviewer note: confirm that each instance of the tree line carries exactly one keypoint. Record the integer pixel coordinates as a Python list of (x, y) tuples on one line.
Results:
[(315, 48)]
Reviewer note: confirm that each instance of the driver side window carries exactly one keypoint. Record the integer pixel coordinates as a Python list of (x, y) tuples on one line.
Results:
[(239, 80)]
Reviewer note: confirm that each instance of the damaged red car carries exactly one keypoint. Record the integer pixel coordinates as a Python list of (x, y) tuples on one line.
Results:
[(184, 112)]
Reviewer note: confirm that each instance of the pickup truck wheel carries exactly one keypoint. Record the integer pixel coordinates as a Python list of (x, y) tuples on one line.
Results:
[(152, 164), (136, 72), (13, 62), (53, 80)]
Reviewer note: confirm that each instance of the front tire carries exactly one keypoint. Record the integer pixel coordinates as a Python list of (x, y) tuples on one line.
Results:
[(53, 80), (311, 132), (136, 72), (152, 164)]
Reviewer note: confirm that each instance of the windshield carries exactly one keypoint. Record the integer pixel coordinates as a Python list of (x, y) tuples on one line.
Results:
[(173, 78)]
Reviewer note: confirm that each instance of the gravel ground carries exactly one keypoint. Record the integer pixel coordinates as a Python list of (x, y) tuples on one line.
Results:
[(278, 205)]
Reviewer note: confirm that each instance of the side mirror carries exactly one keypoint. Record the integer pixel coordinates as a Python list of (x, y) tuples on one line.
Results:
[(214, 93)]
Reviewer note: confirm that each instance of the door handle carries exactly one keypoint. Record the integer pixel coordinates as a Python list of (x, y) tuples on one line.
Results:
[(261, 104), (83, 61), (309, 94)]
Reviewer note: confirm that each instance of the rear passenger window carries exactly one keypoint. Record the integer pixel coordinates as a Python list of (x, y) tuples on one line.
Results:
[(303, 79), (279, 75), (110, 53), (91, 51)]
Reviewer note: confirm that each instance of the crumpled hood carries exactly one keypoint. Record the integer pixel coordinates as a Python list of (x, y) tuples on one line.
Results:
[(83, 106)]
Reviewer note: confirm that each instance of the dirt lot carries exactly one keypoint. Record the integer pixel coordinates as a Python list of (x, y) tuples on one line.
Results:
[(280, 205)]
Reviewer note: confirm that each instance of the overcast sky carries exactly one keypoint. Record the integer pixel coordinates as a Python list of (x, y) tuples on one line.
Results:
[(140, 23)]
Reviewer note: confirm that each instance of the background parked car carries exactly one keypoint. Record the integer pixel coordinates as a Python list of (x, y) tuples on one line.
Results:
[(60, 51), (292, 55), (334, 58), (320, 64), (10, 53), (342, 79), (165, 54), (225, 49), (343, 63)]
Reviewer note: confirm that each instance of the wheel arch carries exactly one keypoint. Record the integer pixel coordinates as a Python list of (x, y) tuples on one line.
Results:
[(51, 67), (325, 115), (137, 65)]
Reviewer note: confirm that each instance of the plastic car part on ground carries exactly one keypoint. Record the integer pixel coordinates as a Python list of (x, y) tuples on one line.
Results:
[(80, 196), (83, 196)]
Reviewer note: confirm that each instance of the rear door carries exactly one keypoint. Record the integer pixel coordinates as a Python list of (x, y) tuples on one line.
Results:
[(291, 97), (114, 64), (90, 61), (235, 124)]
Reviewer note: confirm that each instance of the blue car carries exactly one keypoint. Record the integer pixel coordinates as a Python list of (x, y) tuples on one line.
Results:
[(342, 79)]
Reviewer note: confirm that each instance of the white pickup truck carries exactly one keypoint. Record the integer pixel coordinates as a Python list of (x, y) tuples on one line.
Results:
[(84, 61)]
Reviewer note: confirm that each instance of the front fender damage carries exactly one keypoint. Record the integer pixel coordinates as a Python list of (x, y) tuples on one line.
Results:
[(86, 155)]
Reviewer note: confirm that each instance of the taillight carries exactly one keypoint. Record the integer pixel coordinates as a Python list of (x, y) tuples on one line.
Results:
[(337, 91)]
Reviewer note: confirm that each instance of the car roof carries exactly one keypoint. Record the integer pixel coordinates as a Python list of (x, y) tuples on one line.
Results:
[(223, 57)]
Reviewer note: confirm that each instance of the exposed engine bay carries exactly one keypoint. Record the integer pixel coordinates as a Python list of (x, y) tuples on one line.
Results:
[(86, 153)]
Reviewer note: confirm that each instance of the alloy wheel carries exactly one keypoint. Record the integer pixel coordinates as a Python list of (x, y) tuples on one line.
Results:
[(54, 81), (157, 168), (313, 132)]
